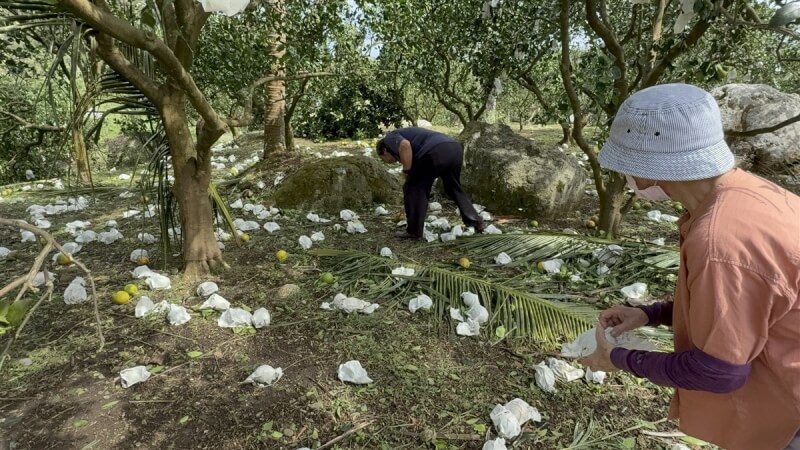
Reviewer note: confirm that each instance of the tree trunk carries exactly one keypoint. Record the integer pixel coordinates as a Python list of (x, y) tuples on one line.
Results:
[(611, 203), (567, 135), (201, 254), (275, 101), (80, 154), (288, 133), (520, 124)]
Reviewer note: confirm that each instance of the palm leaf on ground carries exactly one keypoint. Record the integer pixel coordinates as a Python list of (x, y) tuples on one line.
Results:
[(532, 248), (523, 314)]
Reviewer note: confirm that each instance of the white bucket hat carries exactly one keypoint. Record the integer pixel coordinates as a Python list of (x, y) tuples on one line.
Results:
[(670, 132)]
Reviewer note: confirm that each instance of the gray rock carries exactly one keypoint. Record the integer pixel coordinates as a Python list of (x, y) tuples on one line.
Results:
[(750, 106), (510, 174)]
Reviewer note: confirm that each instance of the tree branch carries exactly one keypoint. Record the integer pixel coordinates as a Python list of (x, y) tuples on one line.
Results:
[(117, 61), (107, 23), (245, 96), (680, 47), (636, 17), (27, 125), (38, 265), (764, 130), (580, 119), (613, 46)]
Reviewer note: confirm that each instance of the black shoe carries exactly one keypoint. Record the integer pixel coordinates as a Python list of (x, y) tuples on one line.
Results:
[(405, 235), (480, 227)]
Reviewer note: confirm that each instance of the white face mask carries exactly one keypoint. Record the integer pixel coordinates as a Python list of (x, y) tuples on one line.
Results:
[(653, 193)]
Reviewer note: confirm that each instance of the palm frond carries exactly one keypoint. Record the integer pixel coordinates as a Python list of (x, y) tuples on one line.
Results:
[(220, 210), (531, 248), (528, 315)]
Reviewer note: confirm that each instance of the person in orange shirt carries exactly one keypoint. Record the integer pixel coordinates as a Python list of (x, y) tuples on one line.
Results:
[(736, 309)]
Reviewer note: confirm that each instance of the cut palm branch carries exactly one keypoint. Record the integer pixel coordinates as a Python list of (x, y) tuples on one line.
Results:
[(532, 248), (530, 316)]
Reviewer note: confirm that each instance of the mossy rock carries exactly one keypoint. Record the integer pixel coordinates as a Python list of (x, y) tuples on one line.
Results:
[(330, 185), (510, 174)]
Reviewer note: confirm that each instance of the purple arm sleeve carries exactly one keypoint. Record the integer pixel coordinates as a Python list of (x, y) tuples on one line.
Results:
[(658, 314), (692, 370)]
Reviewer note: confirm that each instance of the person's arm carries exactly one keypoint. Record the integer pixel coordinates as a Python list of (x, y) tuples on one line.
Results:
[(692, 370), (406, 155), (731, 309), (658, 313)]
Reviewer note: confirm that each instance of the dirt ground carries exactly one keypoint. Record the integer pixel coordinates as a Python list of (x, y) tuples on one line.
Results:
[(432, 389)]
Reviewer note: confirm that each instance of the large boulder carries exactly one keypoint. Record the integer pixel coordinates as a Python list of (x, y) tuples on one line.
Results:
[(750, 106), (330, 185), (510, 174)]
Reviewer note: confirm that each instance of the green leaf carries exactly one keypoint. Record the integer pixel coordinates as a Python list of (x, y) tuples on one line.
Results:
[(479, 428), (80, 423), (629, 442), (194, 354), (694, 441), (110, 405), (788, 14), (183, 420), (411, 368), (276, 435), (266, 426), (156, 369), (500, 332), (472, 421)]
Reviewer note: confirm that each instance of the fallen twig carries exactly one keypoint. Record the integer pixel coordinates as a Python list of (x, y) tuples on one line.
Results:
[(25, 283), (344, 436)]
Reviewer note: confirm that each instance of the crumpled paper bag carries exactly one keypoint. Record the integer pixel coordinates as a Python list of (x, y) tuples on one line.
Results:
[(545, 378), (502, 259), (403, 271), (635, 291), (352, 372), (261, 318), (305, 242), (355, 227), (235, 317), (506, 425), (553, 265), (495, 444), (272, 227), (564, 371), (468, 328), (421, 301), (585, 344), (207, 288), (38, 280), (75, 292), (595, 377), (134, 375), (265, 375), (491, 229), (386, 252), (178, 315), (143, 306), (318, 236), (347, 215), (350, 305), (156, 281), (216, 302), (139, 252)]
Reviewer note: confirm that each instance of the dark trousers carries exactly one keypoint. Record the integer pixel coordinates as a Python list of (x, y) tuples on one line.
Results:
[(444, 161)]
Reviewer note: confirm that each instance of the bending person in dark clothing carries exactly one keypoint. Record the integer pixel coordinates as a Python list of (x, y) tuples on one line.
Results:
[(425, 156)]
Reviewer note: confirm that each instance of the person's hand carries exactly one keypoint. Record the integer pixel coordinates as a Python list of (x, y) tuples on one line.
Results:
[(622, 319), (600, 360)]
